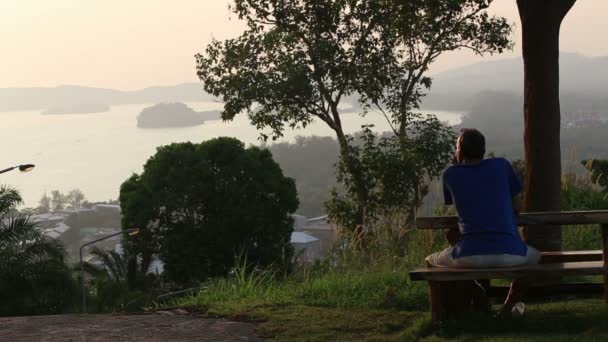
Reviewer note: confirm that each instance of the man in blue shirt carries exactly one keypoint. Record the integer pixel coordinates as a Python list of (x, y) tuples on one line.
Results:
[(484, 193)]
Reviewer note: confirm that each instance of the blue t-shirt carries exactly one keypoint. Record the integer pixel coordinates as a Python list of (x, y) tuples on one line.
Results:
[(483, 195)]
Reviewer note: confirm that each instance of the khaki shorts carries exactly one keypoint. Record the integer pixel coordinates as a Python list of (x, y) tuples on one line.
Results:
[(445, 259)]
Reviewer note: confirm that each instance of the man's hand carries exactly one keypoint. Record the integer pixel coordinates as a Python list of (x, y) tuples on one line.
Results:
[(517, 204), (453, 236), (454, 159)]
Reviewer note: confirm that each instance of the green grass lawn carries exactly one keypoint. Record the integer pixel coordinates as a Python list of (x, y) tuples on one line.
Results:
[(573, 320), (370, 298), (381, 304)]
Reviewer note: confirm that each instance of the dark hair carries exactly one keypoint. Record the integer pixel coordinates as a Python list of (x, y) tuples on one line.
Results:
[(472, 143)]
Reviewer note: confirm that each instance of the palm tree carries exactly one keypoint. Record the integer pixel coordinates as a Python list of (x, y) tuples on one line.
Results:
[(109, 282), (35, 279), (113, 266)]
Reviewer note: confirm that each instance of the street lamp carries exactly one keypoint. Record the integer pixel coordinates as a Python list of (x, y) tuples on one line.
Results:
[(131, 232), (22, 168)]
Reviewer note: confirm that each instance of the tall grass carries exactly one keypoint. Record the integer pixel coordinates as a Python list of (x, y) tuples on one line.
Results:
[(373, 277), (580, 193), (350, 278)]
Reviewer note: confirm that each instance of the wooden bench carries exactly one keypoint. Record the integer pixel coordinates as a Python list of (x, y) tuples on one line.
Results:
[(446, 283)]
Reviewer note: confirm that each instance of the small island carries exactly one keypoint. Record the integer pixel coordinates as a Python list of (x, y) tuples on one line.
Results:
[(173, 115), (77, 108)]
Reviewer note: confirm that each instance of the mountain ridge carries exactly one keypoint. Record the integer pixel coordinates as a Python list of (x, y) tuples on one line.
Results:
[(582, 77), (42, 98)]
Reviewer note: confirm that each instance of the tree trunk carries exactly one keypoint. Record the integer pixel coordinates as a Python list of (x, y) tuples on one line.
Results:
[(355, 172), (541, 21)]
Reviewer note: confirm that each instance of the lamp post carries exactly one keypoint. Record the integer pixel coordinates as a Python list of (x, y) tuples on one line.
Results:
[(22, 168), (132, 231)]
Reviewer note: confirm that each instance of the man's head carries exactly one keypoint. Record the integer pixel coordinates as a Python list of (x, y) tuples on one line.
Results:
[(471, 146)]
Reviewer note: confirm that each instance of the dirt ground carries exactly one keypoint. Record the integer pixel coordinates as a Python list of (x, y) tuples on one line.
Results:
[(156, 327)]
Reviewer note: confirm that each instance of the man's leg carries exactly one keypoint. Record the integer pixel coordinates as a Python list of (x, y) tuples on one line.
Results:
[(441, 259), (481, 301), (516, 293), (519, 287)]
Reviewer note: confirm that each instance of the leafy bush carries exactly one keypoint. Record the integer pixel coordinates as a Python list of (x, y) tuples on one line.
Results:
[(397, 172), (108, 290), (581, 193), (198, 205), (354, 283)]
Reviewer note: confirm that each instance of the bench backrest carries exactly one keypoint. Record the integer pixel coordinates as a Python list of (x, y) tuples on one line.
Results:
[(526, 219), (537, 219)]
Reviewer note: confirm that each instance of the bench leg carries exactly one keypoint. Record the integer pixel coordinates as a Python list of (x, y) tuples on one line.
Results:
[(461, 297), (437, 308), (451, 299), (605, 258), (606, 288)]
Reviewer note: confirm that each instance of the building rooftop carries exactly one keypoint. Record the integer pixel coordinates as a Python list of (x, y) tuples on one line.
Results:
[(47, 217), (61, 228), (301, 237), (317, 220)]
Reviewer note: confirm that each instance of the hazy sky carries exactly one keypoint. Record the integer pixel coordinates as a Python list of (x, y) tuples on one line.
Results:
[(130, 44)]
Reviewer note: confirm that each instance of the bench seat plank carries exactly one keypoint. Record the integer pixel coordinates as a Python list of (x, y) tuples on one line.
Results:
[(549, 290), (570, 256), (544, 270), (526, 219)]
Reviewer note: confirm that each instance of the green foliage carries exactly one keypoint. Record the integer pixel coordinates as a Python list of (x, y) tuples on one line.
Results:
[(349, 278), (357, 283), (33, 276), (108, 290), (298, 60), (113, 265), (360, 296), (75, 199), (365, 295), (284, 323), (198, 205), (396, 173), (577, 195), (583, 193), (572, 320), (59, 201), (598, 170), (44, 204)]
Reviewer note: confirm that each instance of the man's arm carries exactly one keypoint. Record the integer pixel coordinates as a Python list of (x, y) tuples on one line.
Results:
[(453, 236), (517, 204)]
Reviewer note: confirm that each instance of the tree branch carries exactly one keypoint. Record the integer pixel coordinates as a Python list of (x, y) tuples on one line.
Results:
[(386, 117)]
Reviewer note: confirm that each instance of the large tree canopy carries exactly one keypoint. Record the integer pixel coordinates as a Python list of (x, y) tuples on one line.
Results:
[(297, 60), (203, 204)]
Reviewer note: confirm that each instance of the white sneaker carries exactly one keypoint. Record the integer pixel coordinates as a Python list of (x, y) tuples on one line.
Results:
[(518, 309)]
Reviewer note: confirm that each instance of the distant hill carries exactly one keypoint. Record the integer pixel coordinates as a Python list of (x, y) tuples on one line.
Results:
[(582, 79), (171, 115), (16, 99)]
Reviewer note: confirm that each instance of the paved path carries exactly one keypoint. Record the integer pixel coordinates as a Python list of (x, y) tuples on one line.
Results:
[(147, 327)]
